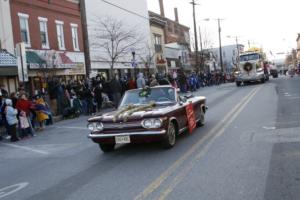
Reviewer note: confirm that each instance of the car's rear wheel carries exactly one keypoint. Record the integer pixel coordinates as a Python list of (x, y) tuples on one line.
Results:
[(107, 147), (170, 139)]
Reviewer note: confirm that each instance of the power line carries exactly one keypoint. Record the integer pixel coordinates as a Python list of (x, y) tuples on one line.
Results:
[(124, 9)]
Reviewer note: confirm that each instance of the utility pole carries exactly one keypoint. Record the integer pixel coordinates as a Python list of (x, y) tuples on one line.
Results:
[(86, 45), (220, 45), (195, 33), (201, 49)]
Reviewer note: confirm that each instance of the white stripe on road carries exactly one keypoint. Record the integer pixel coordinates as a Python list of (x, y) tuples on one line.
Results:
[(8, 190), (26, 148)]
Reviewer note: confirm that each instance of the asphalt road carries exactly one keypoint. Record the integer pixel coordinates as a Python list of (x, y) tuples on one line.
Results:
[(249, 148)]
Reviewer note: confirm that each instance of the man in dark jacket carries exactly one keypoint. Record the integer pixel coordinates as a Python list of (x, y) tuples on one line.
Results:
[(98, 96), (116, 90)]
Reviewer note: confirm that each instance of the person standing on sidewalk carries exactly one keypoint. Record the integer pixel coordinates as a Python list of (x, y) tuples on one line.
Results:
[(116, 89), (98, 96), (24, 105), (11, 118), (140, 82)]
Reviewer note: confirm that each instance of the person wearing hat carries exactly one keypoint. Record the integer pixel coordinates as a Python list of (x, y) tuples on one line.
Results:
[(11, 118)]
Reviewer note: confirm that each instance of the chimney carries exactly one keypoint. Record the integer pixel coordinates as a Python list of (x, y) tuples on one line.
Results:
[(176, 15), (162, 9)]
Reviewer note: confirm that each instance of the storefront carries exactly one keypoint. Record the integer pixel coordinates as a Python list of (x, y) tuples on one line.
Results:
[(8, 71), (44, 65)]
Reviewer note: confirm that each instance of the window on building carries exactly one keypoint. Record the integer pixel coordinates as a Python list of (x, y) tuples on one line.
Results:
[(44, 32), (157, 43), (24, 28), (60, 35), (74, 28)]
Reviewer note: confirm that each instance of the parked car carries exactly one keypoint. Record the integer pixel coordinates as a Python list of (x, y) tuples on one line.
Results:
[(156, 114)]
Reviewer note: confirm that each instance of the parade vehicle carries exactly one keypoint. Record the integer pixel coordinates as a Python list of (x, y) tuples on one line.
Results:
[(252, 68), (156, 114)]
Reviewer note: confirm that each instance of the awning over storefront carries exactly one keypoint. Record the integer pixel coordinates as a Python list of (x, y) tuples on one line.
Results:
[(34, 60), (65, 61), (8, 64)]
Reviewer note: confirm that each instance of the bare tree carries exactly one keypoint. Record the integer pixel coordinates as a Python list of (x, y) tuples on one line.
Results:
[(147, 56), (114, 39), (207, 41)]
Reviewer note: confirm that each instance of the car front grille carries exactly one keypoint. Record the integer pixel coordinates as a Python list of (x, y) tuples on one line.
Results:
[(122, 125)]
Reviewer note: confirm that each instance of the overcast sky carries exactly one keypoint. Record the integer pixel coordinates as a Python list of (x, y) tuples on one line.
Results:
[(271, 24)]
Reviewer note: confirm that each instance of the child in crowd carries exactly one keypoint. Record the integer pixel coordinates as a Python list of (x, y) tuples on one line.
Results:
[(11, 118)]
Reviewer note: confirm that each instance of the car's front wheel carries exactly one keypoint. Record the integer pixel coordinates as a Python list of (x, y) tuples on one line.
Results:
[(170, 138), (107, 147)]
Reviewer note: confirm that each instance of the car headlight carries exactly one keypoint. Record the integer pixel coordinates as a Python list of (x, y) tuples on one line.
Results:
[(152, 123), (95, 126)]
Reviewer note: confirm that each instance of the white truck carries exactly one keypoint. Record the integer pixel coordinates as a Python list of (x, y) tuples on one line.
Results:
[(251, 68)]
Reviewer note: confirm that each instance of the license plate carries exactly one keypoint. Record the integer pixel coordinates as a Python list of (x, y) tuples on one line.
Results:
[(122, 139)]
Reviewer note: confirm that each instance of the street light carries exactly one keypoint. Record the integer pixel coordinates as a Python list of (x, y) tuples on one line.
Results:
[(201, 44)]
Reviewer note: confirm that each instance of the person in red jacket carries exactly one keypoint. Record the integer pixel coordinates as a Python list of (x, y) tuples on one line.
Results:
[(24, 105), (131, 84)]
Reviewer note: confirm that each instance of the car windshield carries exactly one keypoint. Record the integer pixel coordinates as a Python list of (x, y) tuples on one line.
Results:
[(248, 57), (160, 95)]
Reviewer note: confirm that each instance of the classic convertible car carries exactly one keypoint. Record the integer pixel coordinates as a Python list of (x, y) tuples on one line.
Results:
[(155, 114)]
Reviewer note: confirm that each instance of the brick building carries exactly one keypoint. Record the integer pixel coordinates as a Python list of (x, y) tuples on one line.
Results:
[(157, 27), (52, 33), (177, 40)]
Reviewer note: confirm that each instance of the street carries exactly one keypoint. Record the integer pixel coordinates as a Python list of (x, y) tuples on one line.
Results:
[(248, 149)]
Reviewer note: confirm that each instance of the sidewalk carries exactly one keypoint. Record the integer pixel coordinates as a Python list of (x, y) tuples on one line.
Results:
[(59, 118), (56, 119)]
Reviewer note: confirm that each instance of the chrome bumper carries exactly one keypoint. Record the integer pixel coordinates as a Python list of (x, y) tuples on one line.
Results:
[(256, 77), (144, 133)]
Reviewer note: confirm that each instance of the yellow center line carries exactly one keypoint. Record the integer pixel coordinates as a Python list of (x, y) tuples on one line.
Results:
[(158, 181), (179, 177)]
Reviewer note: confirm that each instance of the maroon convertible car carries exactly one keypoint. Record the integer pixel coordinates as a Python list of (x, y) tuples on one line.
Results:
[(155, 114)]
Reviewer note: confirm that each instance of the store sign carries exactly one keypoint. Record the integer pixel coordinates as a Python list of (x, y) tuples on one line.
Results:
[(190, 117), (21, 61)]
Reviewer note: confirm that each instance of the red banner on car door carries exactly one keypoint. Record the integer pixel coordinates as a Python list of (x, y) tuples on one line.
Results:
[(190, 117)]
